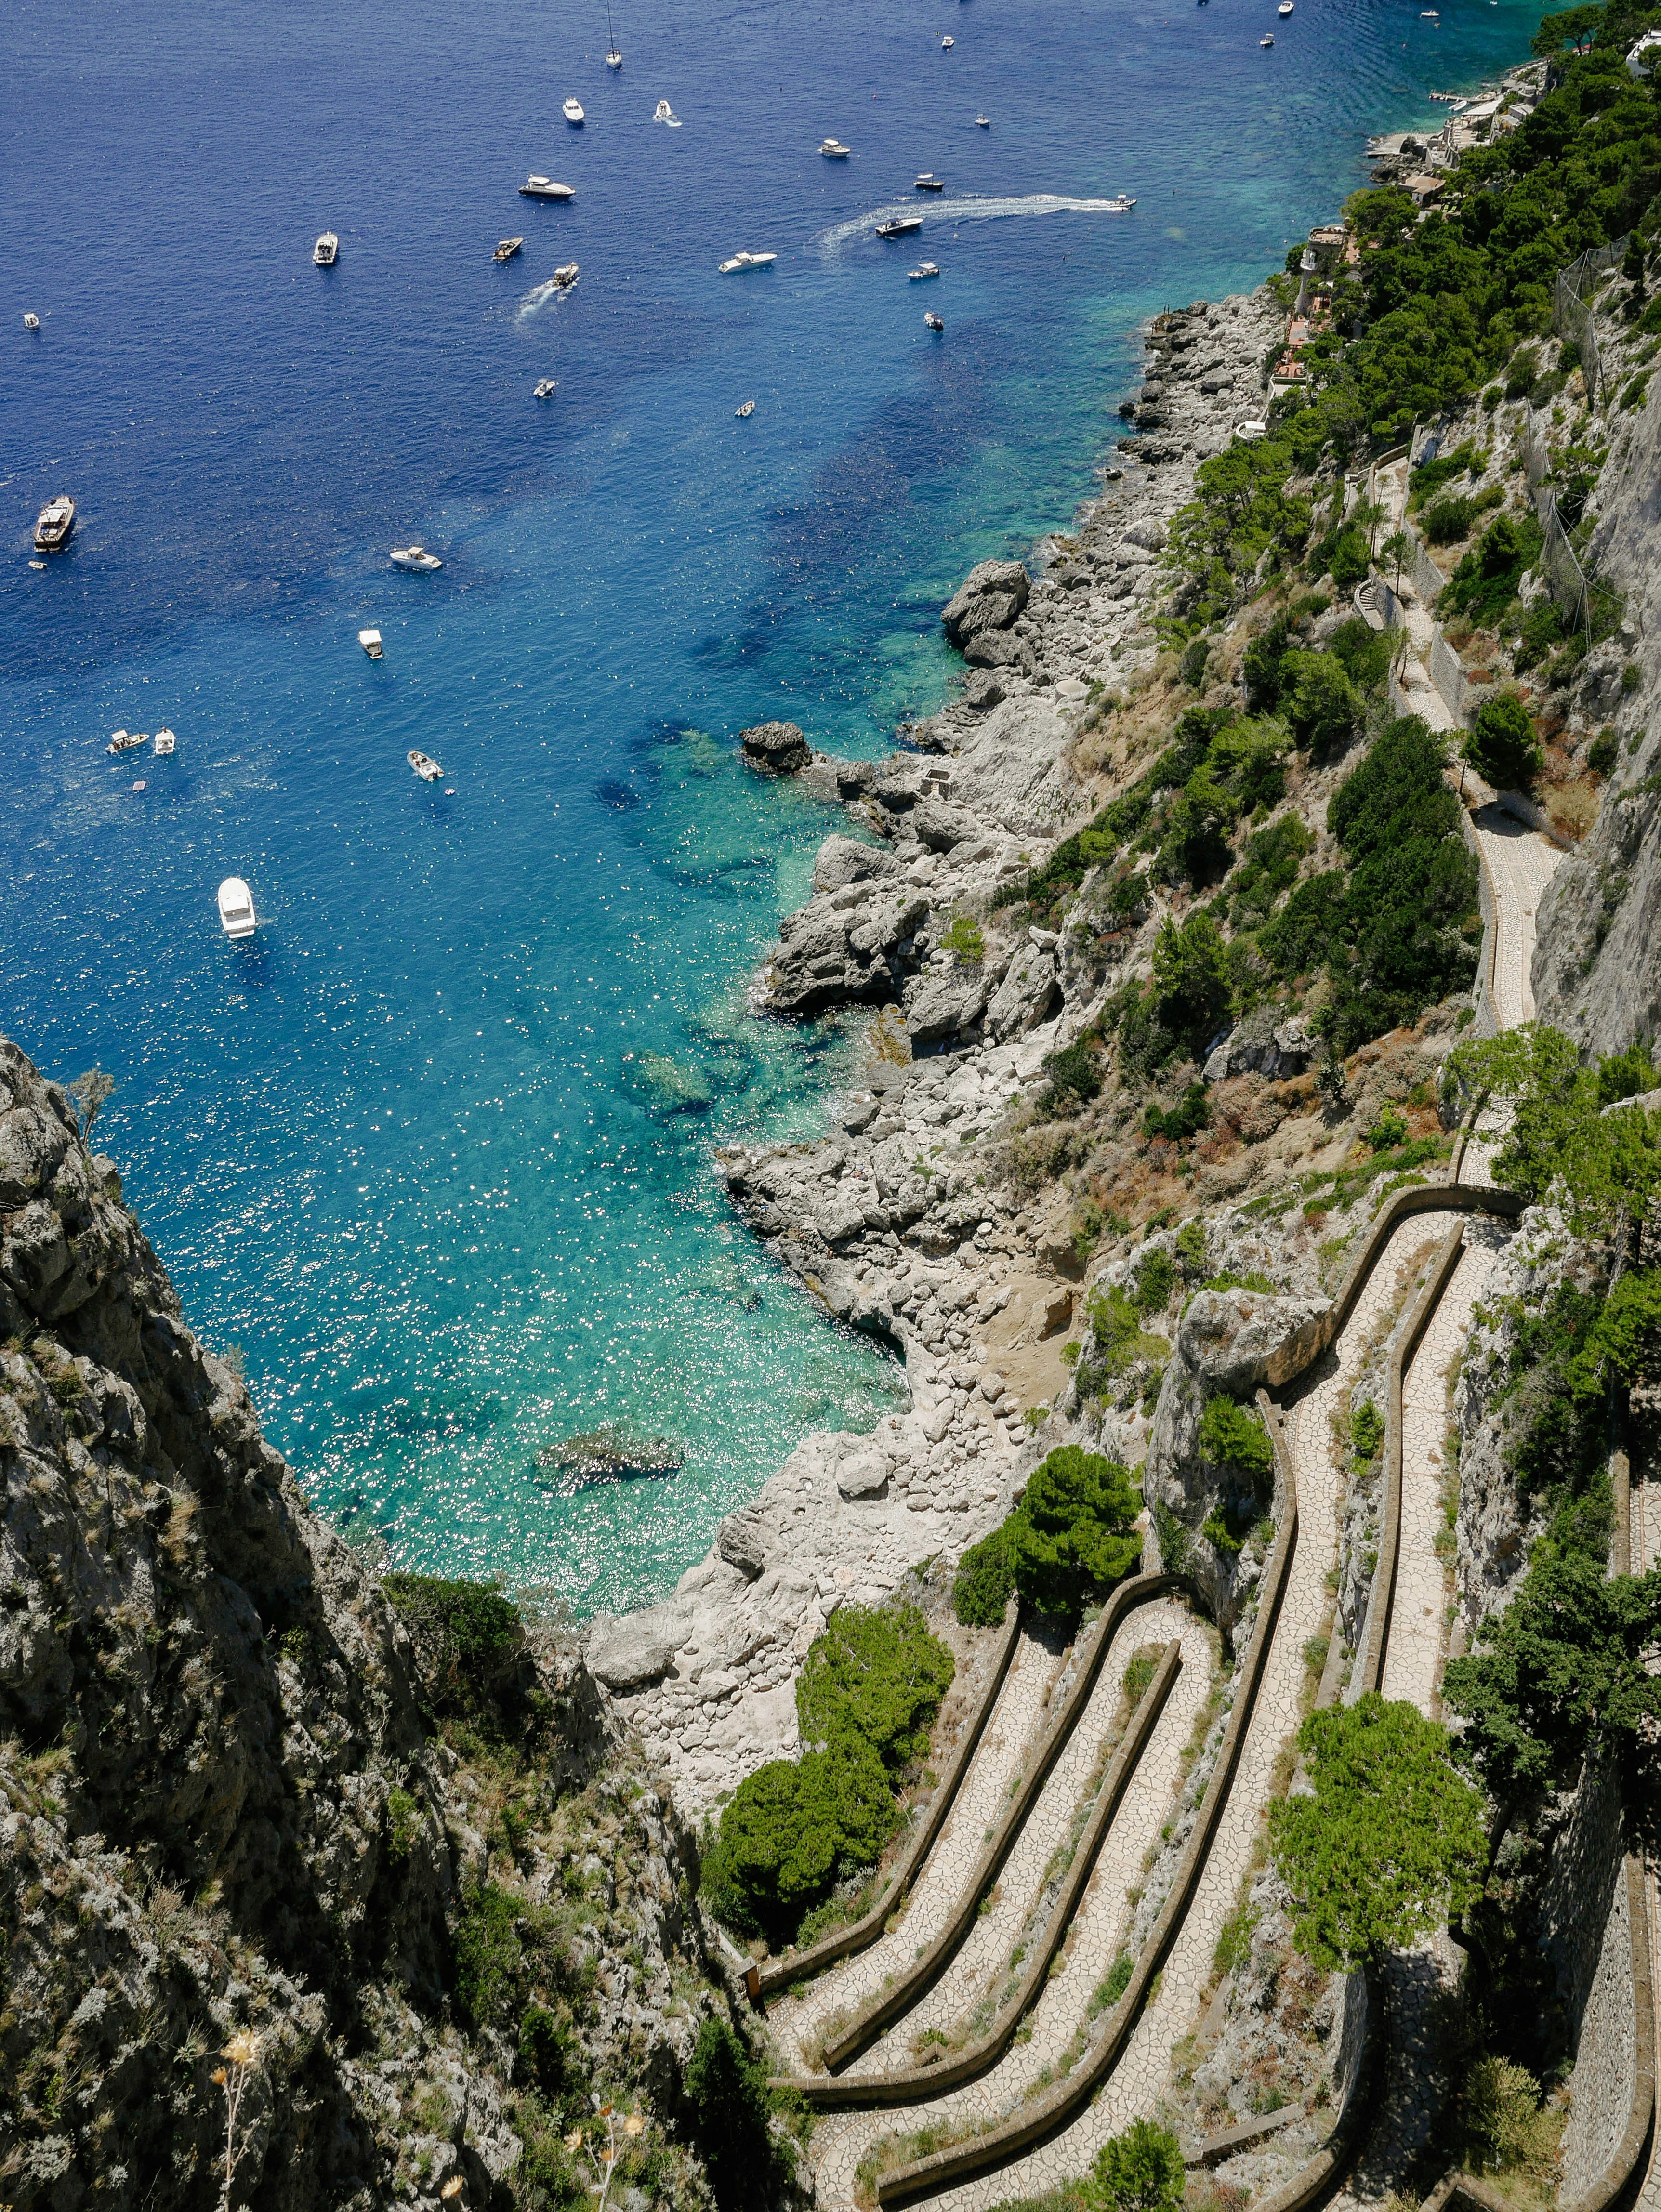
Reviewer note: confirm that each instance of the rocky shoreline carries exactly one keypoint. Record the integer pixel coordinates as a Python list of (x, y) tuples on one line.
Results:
[(900, 1221)]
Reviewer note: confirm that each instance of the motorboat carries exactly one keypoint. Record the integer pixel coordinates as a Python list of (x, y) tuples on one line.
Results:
[(984, 121), (947, 44), (236, 913), (928, 182), (901, 227), (506, 248), (545, 390), (745, 409), (834, 151), (163, 742), (325, 251), (424, 765), (933, 321), (126, 741), (1268, 38), (565, 276), (370, 641), (922, 270), (748, 261), (415, 558), (54, 524), (1121, 203), (1285, 7), (544, 188), (572, 111), (664, 113), (32, 322)]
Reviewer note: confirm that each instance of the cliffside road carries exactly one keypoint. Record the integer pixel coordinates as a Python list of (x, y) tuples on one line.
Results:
[(1063, 2009), (1419, 1616), (1519, 862), (1015, 1719)]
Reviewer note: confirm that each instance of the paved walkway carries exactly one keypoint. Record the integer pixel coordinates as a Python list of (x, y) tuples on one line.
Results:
[(1020, 1712), (1645, 1554), (1520, 863), (1418, 1617)]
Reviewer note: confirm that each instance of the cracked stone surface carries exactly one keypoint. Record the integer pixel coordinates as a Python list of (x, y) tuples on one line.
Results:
[(1519, 864)]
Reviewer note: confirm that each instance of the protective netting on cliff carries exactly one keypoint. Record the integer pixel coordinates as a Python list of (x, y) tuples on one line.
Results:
[(1572, 313)]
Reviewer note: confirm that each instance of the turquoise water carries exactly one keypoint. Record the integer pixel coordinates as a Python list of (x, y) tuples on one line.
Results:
[(435, 1151)]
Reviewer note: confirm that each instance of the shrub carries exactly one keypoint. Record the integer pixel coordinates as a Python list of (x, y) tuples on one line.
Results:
[(1603, 753), (964, 940), (1075, 1078), (1190, 975), (1502, 2113), (550, 2054), (1190, 1247), (1155, 1280), (1389, 1129), (791, 1830), (1485, 582), (985, 1580), (1072, 1534), (469, 1646), (1366, 1432), (726, 2093), (1233, 1437), (1624, 1074), (1192, 666), (1318, 701), (1447, 520), (1139, 2171), (1502, 746), (1144, 1665), (1179, 1122), (1387, 1844), (875, 1678), (488, 1951)]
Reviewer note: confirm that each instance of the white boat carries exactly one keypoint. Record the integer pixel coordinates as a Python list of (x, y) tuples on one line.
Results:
[(614, 59), (985, 122), (933, 321), (747, 408), (545, 390), (1268, 38), (31, 322), (164, 742), (1285, 7), (902, 226), (325, 251), (416, 557), (613, 52), (923, 269), (1121, 203), (664, 113), (928, 182), (54, 524), (126, 741), (506, 248), (370, 641), (748, 261), (544, 188), (565, 276), (236, 913), (946, 44), (424, 765), (834, 151), (572, 111)]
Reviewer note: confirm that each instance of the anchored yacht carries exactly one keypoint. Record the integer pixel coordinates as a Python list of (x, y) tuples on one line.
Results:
[(325, 251), (164, 744), (613, 52), (544, 188), (933, 321), (922, 270), (747, 409), (31, 322), (984, 121), (834, 151), (53, 524), (946, 44), (126, 741), (506, 248), (545, 390), (370, 641), (236, 913), (416, 557), (664, 113), (928, 182), (572, 111), (748, 261)]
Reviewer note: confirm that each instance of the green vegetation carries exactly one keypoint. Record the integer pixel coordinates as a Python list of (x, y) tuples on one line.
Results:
[(1075, 1078), (1502, 745), (470, 1649), (1509, 2131), (726, 2093), (1072, 1537), (965, 941), (985, 1581), (1366, 1432), (1233, 1437), (1153, 1282), (867, 1696), (1388, 1843), (1179, 1122), (1121, 1344), (1139, 2171)]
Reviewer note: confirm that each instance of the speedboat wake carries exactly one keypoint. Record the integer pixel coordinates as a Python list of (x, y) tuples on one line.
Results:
[(963, 210)]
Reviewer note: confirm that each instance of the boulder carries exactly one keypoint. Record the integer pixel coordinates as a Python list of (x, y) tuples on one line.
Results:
[(1149, 535), (1244, 1341), (1278, 1052), (946, 1001), (741, 1541), (994, 648), (1024, 998), (983, 691), (628, 1654), (775, 748), (842, 862), (862, 1471), (940, 825), (991, 596)]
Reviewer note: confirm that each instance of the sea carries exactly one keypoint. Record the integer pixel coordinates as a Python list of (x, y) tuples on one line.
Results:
[(431, 1157)]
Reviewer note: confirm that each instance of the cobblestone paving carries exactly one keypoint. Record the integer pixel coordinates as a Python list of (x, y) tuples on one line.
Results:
[(840, 2141), (1135, 2085), (1020, 1712), (1418, 1617), (1519, 864)]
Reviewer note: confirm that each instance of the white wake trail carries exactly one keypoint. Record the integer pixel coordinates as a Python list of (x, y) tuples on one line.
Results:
[(534, 302), (964, 210)]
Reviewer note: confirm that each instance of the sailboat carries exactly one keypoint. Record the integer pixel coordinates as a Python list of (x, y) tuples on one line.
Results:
[(614, 56)]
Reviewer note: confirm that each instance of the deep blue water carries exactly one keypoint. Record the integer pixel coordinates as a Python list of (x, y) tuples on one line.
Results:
[(434, 1152)]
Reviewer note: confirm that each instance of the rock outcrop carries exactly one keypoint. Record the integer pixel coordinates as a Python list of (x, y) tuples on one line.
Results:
[(775, 748)]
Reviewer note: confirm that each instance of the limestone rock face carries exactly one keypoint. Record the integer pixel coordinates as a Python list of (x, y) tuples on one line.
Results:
[(1243, 1340), (990, 596), (1025, 997), (842, 945), (775, 748), (842, 860), (1263, 1046), (943, 1002), (627, 1654)]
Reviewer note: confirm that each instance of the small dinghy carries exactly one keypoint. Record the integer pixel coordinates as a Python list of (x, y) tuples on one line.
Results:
[(424, 765), (126, 741), (933, 321), (544, 188), (565, 276), (984, 121), (164, 742), (834, 151), (31, 322), (748, 261), (370, 641), (415, 558), (545, 390), (506, 248), (572, 111), (748, 409), (923, 270), (236, 915)]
